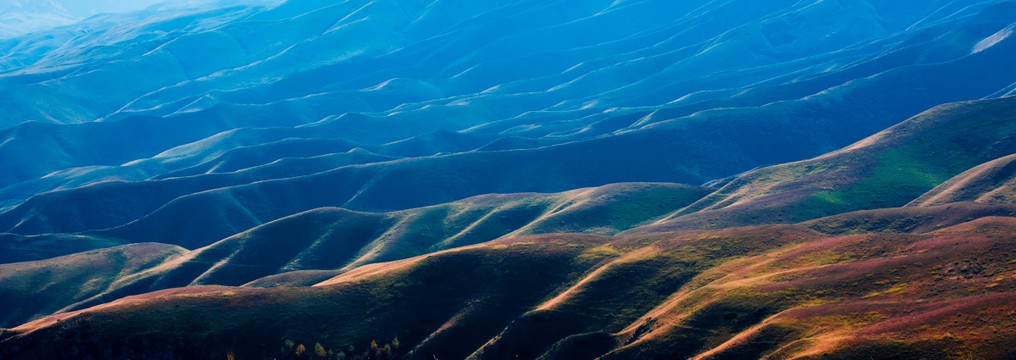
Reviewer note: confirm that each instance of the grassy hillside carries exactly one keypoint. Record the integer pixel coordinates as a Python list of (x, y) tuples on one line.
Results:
[(888, 169), (18, 248), (908, 219), (368, 316), (993, 182), (33, 289), (312, 246), (334, 239), (496, 180), (775, 291), (606, 209)]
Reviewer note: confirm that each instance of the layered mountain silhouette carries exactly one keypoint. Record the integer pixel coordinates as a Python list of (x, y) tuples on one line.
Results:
[(745, 291), (511, 179)]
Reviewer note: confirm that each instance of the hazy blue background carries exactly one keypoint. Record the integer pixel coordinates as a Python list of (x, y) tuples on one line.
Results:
[(23, 16)]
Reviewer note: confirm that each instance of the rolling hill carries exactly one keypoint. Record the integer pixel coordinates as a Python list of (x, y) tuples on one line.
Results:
[(888, 169), (33, 288), (990, 183), (806, 84), (779, 291), (308, 247), (511, 179)]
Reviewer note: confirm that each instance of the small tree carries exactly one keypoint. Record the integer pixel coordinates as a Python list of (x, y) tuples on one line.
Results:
[(320, 350)]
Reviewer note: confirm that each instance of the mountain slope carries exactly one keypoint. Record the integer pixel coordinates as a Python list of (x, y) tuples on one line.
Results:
[(309, 247), (19, 248), (752, 292), (403, 94), (888, 169), (32, 289), (304, 248), (991, 183), (338, 239), (908, 219), (297, 179), (478, 38), (692, 149)]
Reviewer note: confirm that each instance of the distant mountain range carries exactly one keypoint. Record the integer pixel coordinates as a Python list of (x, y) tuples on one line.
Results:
[(20, 17), (511, 179)]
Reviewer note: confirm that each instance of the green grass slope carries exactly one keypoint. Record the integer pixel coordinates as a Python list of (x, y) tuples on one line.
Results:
[(781, 291), (993, 182), (888, 169), (37, 288)]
